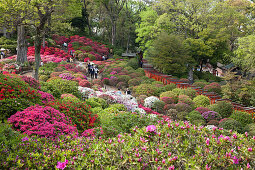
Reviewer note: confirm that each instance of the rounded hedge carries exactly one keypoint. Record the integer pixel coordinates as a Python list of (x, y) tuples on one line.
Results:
[(242, 117), (224, 108), (169, 94), (195, 117), (231, 124), (201, 101)]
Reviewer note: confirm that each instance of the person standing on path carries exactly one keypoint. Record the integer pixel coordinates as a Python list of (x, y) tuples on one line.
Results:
[(128, 92), (96, 72), (92, 72), (89, 69)]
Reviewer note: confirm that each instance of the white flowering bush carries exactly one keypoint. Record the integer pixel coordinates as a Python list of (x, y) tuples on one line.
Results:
[(149, 101), (87, 92)]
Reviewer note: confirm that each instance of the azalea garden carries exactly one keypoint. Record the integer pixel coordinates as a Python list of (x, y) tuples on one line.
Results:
[(54, 116)]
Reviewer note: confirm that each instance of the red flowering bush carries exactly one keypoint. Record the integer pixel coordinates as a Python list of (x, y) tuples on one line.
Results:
[(31, 81), (79, 112), (213, 87), (169, 106), (97, 81), (85, 83), (14, 87), (202, 109), (55, 74), (167, 100), (185, 99), (42, 121)]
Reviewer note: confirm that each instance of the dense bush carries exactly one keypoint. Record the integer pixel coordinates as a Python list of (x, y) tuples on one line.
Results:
[(113, 81), (9, 107), (169, 94), (170, 87), (213, 122), (189, 92), (43, 78), (122, 85), (196, 118), (202, 109), (243, 117), (250, 128), (50, 88), (146, 89), (141, 98), (213, 87), (85, 83), (225, 109), (211, 115), (231, 124), (201, 101), (46, 97), (158, 106), (149, 101), (124, 78), (66, 86), (42, 121), (167, 100), (109, 99), (133, 63), (169, 106), (96, 102), (201, 84), (79, 112), (134, 82), (183, 107), (31, 81), (70, 98), (119, 107), (185, 99)]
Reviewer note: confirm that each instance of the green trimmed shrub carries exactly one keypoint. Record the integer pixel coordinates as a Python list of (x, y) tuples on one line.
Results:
[(96, 110), (250, 128), (172, 113), (231, 124), (242, 117), (66, 86), (124, 78), (43, 78), (177, 91), (134, 82), (146, 89), (96, 102), (201, 101), (170, 87), (158, 106), (50, 88), (120, 107), (182, 107), (189, 92), (133, 62), (195, 118), (224, 108)]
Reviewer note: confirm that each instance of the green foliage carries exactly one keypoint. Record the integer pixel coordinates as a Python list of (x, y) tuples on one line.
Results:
[(207, 76), (201, 84), (170, 87), (189, 92), (96, 102), (66, 86), (47, 68), (169, 94), (168, 55), (225, 109), (133, 62), (124, 78), (9, 107), (231, 124), (51, 88), (123, 122), (119, 107), (158, 106), (242, 117), (146, 89), (43, 78), (201, 101), (250, 128), (195, 118), (134, 82)]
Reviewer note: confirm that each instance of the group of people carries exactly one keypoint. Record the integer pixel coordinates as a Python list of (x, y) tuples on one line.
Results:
[(92, 70), (127, 92)]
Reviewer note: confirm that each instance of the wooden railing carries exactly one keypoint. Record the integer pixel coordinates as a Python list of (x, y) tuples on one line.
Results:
[(168, 79)]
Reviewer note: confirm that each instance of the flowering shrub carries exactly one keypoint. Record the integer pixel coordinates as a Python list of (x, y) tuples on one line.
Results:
[(79, 112), (55, 74), (109, 99), (213, 122), (46, 97), (169, 94), (146, 89), (213, 87), (113, 81), (185, 99), (211, 115), (196, 118), (202, 109), (242, 117), (70, 98), (169, 106), (87, 92), (141, 98), (31, 81), (201, 101), (183, 107), (14, 87), (66, 76), (85, 83), (149, 101), (97, 81), (42, 121), (167, 100)]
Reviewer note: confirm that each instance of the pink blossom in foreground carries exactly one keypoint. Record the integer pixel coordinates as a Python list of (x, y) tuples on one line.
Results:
[(62, 165), (151, 128)]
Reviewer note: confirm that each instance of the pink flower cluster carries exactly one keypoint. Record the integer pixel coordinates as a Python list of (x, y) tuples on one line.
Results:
[(46, 97), (31, 81), (62, 165), (66, 76), (151, 128), (148, 110), (42, 121)]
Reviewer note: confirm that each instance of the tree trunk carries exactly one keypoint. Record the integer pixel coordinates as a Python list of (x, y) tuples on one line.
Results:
[(21, 45), (128, 40), (191, 78), (113, 32), (43, 40), (38, 42)]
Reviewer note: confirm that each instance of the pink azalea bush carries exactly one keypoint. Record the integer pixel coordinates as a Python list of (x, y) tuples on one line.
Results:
[(202, 109), (31, 81), (42, 121), (66, 76), (46, 97), (85, 83)]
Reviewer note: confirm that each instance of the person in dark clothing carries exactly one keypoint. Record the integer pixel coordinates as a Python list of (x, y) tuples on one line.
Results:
[(96, 72), (89, 68), (128, 92), (92, 72)]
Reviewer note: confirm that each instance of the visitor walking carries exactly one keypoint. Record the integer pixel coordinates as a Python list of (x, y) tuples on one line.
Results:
[(89, 68), (128, 92), (96, 72), (119, 92), (92, 72)]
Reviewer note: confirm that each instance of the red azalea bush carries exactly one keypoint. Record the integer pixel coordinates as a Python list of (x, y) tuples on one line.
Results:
[(167, 100), (14, 87), (185, 99), (97, 81), (202, 109), (42, 121), (46, 97), (79, 112), (55, 74), (213, 87), (31, 81), (85, 83)]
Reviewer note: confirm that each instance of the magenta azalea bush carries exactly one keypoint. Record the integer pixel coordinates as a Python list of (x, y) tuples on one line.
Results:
[(202, 109), (211, 115), (46, 97), (66, 76), (31, 81), (42, 121)]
